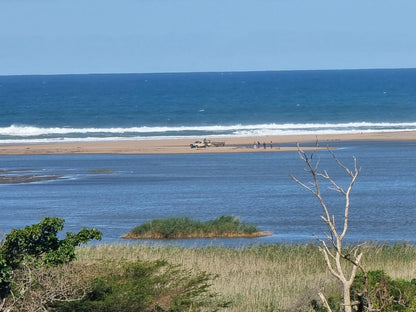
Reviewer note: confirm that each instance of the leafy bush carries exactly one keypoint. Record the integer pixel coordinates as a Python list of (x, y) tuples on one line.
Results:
[(40, 242), (37, 274), (185, 227), (143, 286), (382, 294), (36, 246)]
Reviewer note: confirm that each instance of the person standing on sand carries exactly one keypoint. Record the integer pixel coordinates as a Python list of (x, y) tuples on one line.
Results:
[(264, 145), (271, 144)]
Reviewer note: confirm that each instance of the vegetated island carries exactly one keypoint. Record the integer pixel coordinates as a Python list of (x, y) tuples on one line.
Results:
[(223, 227), (101, 170)]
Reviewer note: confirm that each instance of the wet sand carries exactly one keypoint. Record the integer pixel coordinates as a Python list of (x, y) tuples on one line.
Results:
[(17, 176), (182, 146), (17, 179)]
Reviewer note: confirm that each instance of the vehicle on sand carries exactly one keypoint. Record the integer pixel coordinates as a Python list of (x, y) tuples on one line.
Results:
[(206, 143)]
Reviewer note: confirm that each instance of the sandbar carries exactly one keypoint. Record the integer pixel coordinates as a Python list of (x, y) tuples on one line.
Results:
[(15, 179), (281, 143)]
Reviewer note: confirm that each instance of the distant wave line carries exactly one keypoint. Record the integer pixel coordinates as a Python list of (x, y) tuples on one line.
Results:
[(28, 131), (191, 137), (247, 134)]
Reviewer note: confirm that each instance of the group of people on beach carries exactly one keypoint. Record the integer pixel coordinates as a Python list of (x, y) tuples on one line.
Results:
[(258, 145)]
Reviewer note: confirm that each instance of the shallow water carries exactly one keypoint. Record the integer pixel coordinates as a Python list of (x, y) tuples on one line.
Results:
[(252, 186)]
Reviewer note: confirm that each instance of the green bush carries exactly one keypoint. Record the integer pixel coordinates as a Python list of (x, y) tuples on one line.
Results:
[(143, 286), (383, 294), (37, 269), (38, 245)]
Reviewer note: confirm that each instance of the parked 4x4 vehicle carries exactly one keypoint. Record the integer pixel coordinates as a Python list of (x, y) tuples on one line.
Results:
[(206, 143), (200, 144)]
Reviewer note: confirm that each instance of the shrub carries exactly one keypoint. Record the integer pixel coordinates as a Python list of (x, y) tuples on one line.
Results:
[(36, 247), (37, 274), (143, 286), (382, 294), (40, 242)]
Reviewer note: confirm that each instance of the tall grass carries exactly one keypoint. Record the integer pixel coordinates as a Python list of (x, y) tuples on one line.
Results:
[(263, 278), (225, 226)]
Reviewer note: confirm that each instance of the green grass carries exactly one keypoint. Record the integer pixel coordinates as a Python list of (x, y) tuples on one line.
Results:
[(225, 226)]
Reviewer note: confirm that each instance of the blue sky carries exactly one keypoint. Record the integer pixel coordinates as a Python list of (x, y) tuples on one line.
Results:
[(126, 36)]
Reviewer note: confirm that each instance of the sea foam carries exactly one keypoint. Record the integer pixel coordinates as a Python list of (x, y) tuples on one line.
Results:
[(25, 134)]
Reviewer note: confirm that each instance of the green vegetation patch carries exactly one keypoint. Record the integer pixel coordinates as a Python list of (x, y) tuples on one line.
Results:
[(101, 170), (146, 286), (225, 226)]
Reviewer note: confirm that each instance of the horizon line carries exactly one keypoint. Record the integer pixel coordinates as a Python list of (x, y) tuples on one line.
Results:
[(206, 72)]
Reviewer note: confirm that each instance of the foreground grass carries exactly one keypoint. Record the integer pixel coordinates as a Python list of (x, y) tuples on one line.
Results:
[(262, 278), (225, 226)]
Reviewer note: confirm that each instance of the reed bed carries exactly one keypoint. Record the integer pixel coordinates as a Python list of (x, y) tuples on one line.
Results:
[(262, 278), (225, 226)]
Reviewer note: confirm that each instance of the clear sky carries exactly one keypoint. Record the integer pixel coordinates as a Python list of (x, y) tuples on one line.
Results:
[(136, 36)]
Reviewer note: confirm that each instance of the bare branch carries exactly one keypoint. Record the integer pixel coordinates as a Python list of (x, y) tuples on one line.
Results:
[(334, 255), (302, 184), (325, 302), (37, 287)]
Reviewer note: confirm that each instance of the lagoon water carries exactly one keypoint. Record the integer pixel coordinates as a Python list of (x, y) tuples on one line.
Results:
[(254, 187)]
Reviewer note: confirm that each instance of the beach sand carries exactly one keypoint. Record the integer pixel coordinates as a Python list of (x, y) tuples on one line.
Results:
[(182, 146)]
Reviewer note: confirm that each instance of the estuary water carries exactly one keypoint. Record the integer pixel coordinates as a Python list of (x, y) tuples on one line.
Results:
[(254, 187)]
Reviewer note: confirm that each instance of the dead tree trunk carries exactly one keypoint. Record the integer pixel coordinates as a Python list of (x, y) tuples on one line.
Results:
[(334, 255)]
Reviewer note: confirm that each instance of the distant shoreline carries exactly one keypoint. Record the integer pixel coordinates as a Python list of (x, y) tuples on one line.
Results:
[(283, 143)]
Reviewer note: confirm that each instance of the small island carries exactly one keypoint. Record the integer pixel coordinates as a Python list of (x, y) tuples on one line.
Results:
[(223, 227)]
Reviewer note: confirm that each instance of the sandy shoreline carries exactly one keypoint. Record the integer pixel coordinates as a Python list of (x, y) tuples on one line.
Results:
[(181, 146)]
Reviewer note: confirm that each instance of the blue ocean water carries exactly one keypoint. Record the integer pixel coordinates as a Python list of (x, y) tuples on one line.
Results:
[(139, 106), (252, 186)]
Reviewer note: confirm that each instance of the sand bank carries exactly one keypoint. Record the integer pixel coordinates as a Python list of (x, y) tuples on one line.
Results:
[(6, 179), (181, 146)]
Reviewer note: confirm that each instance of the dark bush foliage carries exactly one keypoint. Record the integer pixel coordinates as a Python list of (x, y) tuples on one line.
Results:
[(143, 286), (382, 294), (39, 245), (36, 266)]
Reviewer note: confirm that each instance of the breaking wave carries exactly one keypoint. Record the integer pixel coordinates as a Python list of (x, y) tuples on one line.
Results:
[(23, 133)]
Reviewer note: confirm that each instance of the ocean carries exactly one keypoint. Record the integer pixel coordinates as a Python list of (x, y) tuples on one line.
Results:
[(143, 106), (254, 187)]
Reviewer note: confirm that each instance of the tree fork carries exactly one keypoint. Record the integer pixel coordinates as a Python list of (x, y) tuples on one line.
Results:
[(334, 256)]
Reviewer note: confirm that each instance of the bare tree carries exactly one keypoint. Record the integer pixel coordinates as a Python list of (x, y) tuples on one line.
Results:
[(342, 263)]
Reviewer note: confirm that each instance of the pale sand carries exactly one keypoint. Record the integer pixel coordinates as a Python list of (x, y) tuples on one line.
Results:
[(181, 146)]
